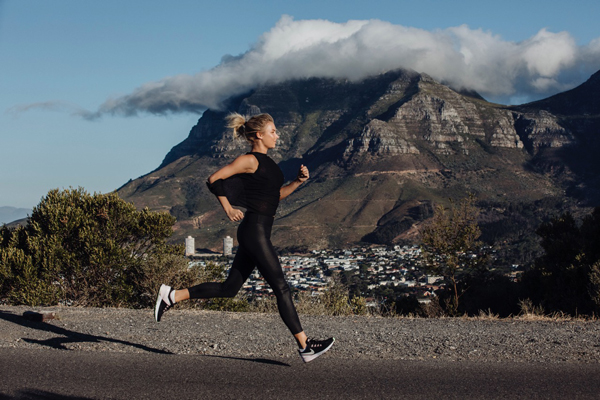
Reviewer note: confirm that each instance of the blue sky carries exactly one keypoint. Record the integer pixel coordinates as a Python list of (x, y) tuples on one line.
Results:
[(79, 103)]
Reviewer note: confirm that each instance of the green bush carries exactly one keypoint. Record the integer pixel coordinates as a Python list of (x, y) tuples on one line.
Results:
[(358, 304), (451, 246), (336, 299), (17, 269), (82, 249), (567, 277)]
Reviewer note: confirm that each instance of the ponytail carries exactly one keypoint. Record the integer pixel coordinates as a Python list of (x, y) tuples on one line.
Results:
[(247, 128), (237, 122)]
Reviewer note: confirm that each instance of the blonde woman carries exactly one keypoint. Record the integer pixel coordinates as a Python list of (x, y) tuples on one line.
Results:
[(257, 183)]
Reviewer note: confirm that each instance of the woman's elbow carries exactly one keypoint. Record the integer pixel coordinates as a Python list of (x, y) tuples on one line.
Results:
[(211, 179)]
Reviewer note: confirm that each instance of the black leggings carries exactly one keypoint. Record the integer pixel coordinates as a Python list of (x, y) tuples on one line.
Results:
[(255, 250)]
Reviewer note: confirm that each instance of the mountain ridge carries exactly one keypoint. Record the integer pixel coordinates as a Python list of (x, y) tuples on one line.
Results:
[(381, 151), (10, 214)]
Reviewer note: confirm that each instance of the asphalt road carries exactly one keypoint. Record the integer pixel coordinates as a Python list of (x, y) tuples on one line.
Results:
[(49, 374)]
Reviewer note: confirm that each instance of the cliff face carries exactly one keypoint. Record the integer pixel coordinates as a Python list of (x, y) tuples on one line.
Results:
[(380, 152)]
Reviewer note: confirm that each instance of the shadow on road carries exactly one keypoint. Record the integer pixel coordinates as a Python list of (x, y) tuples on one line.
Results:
[(257, 360), (69, 336)]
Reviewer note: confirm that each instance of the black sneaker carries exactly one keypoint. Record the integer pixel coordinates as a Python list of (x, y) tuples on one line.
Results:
[(315, 348), (163, 302)]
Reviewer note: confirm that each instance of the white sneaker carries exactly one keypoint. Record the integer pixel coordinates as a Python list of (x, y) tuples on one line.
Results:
[(163, 301)]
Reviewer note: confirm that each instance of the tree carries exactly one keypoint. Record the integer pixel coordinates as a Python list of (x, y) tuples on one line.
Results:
[(450, 244), (83, 249), (567, 276)]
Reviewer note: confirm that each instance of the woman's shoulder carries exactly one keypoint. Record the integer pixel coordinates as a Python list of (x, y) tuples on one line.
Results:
[(246, 163)]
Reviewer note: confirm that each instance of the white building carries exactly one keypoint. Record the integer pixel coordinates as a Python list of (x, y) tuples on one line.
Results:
[(228, 246), (190, 246), (433, 279)]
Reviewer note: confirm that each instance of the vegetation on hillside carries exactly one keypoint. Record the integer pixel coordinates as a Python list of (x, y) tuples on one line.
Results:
[(84, 249), (451, 245), (98, 250), (566, 278)]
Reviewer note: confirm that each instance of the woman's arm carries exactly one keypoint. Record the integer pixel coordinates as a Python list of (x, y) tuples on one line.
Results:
[(286, 190), (241, 165), (246, 164)]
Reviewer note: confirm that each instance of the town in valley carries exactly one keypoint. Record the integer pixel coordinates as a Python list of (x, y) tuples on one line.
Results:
[(373, 272)]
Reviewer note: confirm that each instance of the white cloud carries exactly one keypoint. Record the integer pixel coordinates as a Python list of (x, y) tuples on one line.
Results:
[(546, 54), (463, 57)]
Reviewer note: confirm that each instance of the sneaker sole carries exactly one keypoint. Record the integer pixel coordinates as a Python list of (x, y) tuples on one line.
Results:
[(156, 307), (158, 302)]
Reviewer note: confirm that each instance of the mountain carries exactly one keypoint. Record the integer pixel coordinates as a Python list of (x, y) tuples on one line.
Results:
[(381, 151), (577, 112), (10, 214), (583, 100)]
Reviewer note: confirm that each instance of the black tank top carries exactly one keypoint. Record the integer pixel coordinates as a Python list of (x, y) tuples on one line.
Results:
[(257, 192), (262, 187)]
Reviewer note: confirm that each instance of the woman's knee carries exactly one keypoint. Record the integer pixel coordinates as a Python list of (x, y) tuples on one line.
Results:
[(229, 291), (281, 289)]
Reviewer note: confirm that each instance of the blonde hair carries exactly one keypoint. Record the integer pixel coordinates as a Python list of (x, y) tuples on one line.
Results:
[(244, 127)]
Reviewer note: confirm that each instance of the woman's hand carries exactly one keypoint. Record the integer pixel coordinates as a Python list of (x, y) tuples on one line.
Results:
[(234, 214), (286, 190), (303, 174)]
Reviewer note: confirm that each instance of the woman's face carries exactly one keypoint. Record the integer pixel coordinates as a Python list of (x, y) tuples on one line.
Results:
[(269, 135)]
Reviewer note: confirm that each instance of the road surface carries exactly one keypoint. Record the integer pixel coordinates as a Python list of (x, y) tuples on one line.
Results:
[(67, 374)]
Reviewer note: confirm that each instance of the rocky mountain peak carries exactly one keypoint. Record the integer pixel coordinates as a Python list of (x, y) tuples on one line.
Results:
[(380, 152)]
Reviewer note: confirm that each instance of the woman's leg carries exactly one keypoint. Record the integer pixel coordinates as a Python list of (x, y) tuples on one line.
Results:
[(301, 339), (241, 269), (256, 241)]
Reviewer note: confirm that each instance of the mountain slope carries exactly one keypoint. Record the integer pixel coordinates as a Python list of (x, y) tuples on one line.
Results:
[(577, 165), (380, 152), (10, 214)]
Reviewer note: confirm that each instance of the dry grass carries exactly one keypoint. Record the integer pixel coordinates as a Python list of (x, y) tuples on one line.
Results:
[(306, 304), (530, 312)]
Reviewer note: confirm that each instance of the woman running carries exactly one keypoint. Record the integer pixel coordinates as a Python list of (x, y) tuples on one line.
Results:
[(253, 181)]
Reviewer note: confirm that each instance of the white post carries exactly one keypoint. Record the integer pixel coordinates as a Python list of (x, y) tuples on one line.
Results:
[(190, 246), (228, 246)]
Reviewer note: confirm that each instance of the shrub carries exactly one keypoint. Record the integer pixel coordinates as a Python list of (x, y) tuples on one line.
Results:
[(451, 246), (17, 270), (336, 299), (308, 304), (566, 278), (358, 304), (83, 249)]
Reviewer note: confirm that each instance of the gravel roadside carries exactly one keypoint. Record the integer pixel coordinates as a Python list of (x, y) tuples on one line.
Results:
[(265, 336)]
